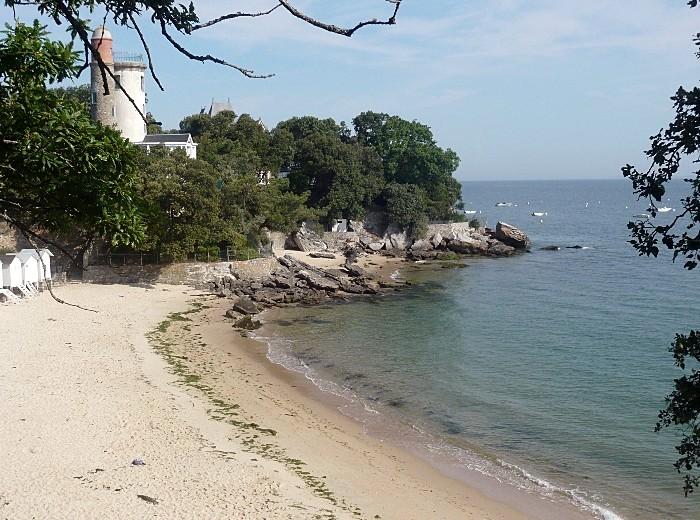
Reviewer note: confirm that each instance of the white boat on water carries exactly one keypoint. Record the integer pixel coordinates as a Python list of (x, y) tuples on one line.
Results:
[(641, 215), (665, 209), (504, 204), (538, 214), (470, 212)]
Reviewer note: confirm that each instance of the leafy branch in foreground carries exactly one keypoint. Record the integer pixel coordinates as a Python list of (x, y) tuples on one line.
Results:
[(669, 147), (173, 20), (59, 172)]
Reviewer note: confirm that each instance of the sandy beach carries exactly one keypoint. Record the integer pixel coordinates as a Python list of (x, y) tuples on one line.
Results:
[(157, 375)]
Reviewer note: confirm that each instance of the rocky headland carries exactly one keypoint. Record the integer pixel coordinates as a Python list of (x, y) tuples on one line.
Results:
[(338, 275)]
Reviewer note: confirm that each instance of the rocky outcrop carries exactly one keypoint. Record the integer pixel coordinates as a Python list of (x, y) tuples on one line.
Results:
[(293, 282), (304, 239), (511, 236)]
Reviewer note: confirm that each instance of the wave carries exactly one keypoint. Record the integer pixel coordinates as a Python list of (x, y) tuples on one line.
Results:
[(280, 351)]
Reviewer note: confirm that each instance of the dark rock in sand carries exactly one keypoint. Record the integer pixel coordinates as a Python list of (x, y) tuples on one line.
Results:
[(247, 323), (245, 306), (512, 236), (321, 254), (354, 271)]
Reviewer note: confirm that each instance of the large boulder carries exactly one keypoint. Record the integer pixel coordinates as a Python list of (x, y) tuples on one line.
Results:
[(307, 240), (319, 282), (422, 245), (245, 306), (395, 237), (512, 236), (436, 240), (468, 246)]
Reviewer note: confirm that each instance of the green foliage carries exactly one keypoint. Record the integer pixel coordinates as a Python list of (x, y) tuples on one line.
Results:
[(410, 155), (670, 149), (407, 204), (683, 407), (79, 94), (181, 205), (58, 170)]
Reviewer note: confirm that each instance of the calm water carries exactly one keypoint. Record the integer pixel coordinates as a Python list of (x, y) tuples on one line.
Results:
[(546, 370)]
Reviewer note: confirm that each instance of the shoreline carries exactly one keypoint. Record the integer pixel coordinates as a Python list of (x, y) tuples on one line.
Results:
[(523, 504), (160, 374), (366, 476)]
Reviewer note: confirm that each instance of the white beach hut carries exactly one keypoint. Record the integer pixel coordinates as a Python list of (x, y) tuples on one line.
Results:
[(30, 269), (45, 255), (11, 271)]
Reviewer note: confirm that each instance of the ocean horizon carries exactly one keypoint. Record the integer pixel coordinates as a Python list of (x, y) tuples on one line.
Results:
[(545, 371)]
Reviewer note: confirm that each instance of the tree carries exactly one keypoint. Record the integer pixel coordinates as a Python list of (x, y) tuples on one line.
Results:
[(59, 172), (406, 205), (670, 149), (181, 204), (170, 17), (79, 94), (410, 155)]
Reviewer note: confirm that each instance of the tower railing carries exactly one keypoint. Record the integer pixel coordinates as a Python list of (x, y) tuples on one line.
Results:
[(128, 57)]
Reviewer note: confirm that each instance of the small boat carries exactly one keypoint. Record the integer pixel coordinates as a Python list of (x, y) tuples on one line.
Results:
[(470, 212), (641, 215), (665, 209), (539, 214), (504, 204)]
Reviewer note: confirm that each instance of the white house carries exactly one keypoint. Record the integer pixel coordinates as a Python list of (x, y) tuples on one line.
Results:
[(11, 271), (171, 142), (45, 273)]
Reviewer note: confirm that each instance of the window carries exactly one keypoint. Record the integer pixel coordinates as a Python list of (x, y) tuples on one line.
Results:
[(143, 86), (93, 97), (114, 111)]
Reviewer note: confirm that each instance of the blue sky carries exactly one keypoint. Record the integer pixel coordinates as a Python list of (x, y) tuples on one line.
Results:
[(521, 89)]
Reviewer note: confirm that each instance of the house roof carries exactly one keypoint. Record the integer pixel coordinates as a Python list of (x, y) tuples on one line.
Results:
[(7, 259), (166, 138)]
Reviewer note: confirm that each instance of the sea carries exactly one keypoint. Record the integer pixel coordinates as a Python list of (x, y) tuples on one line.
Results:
[(543, 372)]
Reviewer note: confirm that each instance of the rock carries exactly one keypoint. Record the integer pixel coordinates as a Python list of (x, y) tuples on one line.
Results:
[(256, 286), (234, 315), (283, 283), (356, 225), (511, 236), (436, 240), (247, 323), (422, 245), (376, 246), (138, 462), (148, 499), (306, 240), (319, 282), (353, 288), (497, 248), (468, 246), (354, 271), (550, 248), (245, 306), (320, 254), (395, 237)]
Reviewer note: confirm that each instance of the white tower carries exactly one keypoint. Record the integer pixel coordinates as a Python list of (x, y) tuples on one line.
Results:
[(115, 109)]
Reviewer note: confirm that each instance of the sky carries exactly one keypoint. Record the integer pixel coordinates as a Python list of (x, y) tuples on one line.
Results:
[(520, 89)]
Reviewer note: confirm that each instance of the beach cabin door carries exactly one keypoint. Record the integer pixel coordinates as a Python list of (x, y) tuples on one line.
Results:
[(11, 271)]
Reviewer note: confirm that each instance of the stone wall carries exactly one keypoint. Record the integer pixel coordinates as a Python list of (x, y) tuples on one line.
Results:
[(193, 274)]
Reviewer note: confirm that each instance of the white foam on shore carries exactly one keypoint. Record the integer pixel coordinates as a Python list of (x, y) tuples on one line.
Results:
[(280, 352)]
